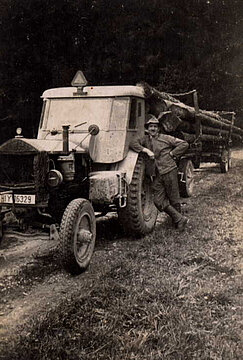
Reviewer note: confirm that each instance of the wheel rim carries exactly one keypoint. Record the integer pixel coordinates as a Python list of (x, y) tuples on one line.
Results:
[(229, 159), (84, 235), (230, 163), (226, 165)]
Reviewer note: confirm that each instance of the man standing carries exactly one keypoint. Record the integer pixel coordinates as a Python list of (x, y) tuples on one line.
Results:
[(163, 150)]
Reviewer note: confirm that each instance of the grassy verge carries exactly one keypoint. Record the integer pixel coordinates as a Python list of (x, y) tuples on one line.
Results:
[(170, 296)]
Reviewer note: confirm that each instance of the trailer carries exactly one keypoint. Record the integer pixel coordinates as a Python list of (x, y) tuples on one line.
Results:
[(210, 134), (205, 146)]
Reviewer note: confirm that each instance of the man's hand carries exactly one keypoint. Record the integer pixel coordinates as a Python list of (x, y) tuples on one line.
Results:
[(172, 155), (149, 153)]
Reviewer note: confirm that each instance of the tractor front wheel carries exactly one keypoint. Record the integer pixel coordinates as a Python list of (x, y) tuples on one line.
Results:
[(77, 235)]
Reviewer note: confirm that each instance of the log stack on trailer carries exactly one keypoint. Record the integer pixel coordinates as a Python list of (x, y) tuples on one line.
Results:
[(210, 134)]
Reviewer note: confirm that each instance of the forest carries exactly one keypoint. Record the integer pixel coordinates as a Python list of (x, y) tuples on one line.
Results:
[(174, 45)]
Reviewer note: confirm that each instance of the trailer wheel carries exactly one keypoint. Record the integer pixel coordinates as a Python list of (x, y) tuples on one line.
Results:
[(196, 162), (1, 231), (140, 214), (225, 161), (77, 235), (186, 178), (230, 159)]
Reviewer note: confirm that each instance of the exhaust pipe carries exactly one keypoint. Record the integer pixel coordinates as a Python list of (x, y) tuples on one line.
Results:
[(65, 138)]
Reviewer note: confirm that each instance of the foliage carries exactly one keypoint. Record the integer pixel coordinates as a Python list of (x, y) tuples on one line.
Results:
[(176, 45)]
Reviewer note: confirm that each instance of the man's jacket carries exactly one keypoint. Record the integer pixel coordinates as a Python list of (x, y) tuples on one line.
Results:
[(161, 146)]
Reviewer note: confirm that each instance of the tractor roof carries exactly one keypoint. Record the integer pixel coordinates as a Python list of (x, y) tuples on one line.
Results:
[(95, 91)]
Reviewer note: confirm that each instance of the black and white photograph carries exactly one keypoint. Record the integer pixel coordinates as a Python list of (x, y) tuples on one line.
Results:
[(121, 179)]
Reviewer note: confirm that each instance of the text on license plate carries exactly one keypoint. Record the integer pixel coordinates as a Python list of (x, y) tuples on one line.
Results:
[(18, 199)]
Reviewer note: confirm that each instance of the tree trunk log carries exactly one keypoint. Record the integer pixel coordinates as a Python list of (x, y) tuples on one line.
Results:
[(190, 138), (161, 101)]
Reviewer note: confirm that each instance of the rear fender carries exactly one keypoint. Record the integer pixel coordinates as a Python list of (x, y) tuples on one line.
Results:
[(127, 165)]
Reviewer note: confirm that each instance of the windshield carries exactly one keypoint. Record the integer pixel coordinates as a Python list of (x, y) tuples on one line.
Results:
[(74, 111)]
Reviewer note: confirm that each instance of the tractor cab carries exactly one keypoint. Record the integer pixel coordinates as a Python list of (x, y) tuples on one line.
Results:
[(117, 111)]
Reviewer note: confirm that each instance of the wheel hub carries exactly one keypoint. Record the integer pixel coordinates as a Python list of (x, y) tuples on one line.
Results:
[(84, 236)]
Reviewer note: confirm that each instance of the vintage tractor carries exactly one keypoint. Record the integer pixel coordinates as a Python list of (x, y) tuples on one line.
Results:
[(80, 165)]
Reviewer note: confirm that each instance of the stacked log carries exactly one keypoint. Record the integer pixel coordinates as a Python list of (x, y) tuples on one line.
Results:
[(190, 138), (214, 127)]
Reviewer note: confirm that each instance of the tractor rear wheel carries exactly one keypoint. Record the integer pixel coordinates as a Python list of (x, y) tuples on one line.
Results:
[(140, 214), (77, 235)]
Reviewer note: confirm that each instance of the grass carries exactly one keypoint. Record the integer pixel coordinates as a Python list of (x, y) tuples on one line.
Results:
[(172, 296)]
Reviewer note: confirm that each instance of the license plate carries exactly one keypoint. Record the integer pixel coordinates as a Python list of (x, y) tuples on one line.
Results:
[(18, 199)]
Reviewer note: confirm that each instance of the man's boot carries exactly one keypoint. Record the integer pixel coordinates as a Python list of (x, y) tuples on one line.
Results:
[(177, 206), (182, 223), (179, 220)]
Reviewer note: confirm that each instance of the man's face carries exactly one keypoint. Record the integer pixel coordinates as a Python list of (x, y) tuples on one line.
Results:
[(153, 129)]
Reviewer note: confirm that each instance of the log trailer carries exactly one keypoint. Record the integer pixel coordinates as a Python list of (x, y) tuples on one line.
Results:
[(209, 134)]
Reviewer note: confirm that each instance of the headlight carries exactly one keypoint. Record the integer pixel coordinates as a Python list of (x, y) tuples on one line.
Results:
[(54, 178)]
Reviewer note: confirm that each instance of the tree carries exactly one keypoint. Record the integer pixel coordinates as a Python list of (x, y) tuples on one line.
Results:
[(175, 45)]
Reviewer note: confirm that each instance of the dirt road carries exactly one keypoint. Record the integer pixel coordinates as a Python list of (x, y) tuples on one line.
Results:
[(33, 283), (32, 280)]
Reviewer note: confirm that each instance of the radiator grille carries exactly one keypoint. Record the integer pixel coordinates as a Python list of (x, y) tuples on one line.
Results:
[(26, 172), (16, 169)]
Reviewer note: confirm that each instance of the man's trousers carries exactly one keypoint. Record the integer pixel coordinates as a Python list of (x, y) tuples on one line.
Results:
[(166, 189)]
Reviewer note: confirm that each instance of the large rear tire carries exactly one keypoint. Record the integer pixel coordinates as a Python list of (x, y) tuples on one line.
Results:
[(186, 179), (140, 214), (77, 235)]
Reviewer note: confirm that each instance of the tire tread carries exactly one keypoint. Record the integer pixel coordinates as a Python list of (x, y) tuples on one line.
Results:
[(130, 216), (66, 231)]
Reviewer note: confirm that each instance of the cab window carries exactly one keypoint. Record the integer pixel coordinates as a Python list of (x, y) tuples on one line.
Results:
[(133, 115)]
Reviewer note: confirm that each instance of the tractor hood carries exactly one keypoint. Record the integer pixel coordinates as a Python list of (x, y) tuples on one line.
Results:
[(23, 145)]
